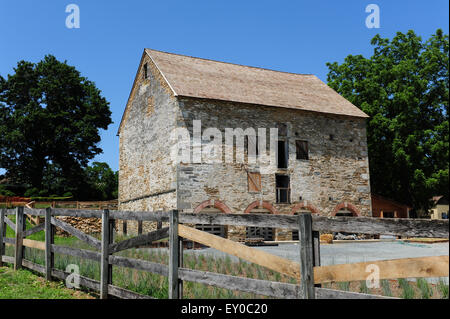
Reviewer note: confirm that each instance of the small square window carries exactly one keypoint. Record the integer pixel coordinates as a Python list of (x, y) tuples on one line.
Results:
[(302, 150)]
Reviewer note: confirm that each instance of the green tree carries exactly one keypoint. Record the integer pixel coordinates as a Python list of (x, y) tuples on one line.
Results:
[(50, 118), (404, 88), (103, 182)]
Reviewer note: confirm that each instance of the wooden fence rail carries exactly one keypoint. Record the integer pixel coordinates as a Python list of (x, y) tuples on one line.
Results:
[(308, 272), (363, 225)]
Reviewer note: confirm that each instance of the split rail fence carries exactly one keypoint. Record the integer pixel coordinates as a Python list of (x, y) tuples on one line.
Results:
[(308, 272)]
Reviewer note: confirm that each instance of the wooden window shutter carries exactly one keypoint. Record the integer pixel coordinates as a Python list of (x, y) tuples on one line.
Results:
[(254, 182)]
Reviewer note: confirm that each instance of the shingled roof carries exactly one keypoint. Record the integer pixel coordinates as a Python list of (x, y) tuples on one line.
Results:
[(207, 79)]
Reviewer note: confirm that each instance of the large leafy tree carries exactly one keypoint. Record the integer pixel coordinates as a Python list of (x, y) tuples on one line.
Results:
[(102, 180), (404, 88), (50, 118)]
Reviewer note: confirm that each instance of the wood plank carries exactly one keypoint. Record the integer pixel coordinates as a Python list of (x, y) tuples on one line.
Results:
[(125, 294), (436, 228), (84, 281), (49, 240), (255, 220), (112, 227), (9, 241), (77, 213), (18, 248), (77, 233), (436, 266), (125, 215), (306, 256), (140, 240), (158, 216), (104, 260), (77, 252), (173, 255), (140, 264), (139, 228), (180, 264), (10, 223), (8, 259), (256, 286), (35, 267), (364, 225), (316, 251), (34, 211), (34, 230), (324, 293), (367, 225), (253, 255), (2, 234), (33, 244)]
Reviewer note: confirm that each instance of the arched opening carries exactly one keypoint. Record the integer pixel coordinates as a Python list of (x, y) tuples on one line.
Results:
[(258, 233), (346, 209), (302, 208), (213, 206)]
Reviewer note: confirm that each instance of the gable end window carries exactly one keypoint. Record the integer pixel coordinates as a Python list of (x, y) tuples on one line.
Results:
[(302, 150), (145, 71)]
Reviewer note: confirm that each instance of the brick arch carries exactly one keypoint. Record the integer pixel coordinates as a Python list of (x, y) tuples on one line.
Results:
[(349, 206), (305, 204), (213, 203), (263, 204)]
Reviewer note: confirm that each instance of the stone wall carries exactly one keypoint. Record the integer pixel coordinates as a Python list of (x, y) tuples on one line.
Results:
[(146, 172), (336, 172)]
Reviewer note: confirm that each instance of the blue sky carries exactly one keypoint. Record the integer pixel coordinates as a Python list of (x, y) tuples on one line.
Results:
[(293, 36)]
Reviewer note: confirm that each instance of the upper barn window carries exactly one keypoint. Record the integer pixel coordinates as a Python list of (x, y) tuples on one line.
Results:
[(145, 71), (302, 149)]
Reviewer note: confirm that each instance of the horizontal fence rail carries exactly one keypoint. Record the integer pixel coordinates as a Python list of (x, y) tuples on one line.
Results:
[(363, 225), (309, 274)]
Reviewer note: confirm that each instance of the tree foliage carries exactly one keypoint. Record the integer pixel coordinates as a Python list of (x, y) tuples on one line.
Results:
[(404, 88), (103, 182), (50, 118)]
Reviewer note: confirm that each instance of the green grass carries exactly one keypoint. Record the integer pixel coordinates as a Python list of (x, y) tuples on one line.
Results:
[(363, 287), (345, 286), (442, 287), (386, 288), (407, 290), (425, 290), (23, 284)]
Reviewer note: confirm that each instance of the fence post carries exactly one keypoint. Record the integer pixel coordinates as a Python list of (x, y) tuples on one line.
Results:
[(124, 227), (49, 240), (112, 226), (316, 252), (173, 255), (18, 252), (139, 227), (306, 256), (180, 264), (104, 264), (2, 234)]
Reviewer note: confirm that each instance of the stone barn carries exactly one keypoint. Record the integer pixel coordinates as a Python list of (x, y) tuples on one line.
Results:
[(321, 150)]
